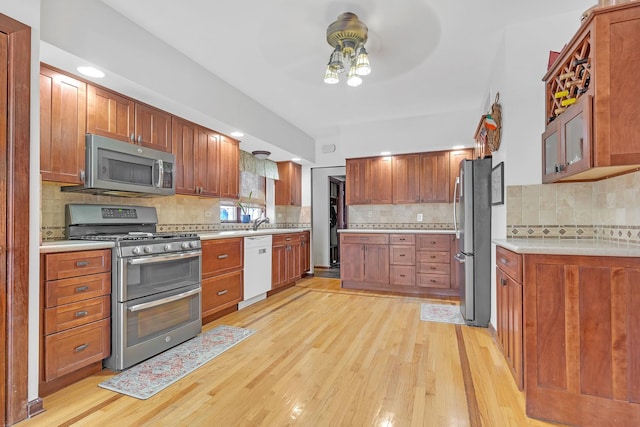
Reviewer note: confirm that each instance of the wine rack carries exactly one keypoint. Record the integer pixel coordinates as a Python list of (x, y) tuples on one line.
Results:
[(570, 81)]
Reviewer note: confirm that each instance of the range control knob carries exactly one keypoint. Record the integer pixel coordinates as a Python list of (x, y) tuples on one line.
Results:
[(193, 244), (136, 250), (167, 247), (147, 249), (185, 245)]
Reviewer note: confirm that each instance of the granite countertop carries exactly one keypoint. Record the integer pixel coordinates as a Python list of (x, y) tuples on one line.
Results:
[(87, 245), (589, 247), (396, 231)]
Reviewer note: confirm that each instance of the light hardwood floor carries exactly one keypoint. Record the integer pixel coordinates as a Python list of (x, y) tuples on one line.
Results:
[(321, 356)]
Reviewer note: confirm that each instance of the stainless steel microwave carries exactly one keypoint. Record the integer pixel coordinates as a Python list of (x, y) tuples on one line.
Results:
[(117, 168)]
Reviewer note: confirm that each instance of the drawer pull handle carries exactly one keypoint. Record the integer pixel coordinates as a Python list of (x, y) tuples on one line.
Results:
[(433, 268), (222, 292), (81, 313), (82, 288), (402, 254), (504, 261), (402, 239), (80, 348), (503, 282), (433, 281), (402, 275), (82, 263), (433, 242), (433, 257), (223, 256)]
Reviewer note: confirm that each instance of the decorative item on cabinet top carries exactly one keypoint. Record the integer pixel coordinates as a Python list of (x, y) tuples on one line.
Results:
[(489, 130)]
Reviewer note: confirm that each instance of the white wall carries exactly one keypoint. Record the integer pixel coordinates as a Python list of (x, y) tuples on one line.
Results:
[(320, 212), (148, 69), (519, 67), (28, 12)]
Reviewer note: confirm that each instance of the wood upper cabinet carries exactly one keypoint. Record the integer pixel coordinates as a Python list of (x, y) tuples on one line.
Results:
[(184, 139), (63, 103), (288, 187), (581, 338), (207, 163), (369, 181), (110, 114), (434, 174), (598, 135), (115, 116), (229, 167), (406, 178), (152, 128), (455, 157)]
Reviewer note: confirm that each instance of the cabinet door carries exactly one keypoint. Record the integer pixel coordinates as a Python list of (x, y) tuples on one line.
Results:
[(229, 168), (376, 264), (207, 161), (296, 185), (294, 268), (455, 157), (305, 252), (434, 182), (502, 301), (278, 266), (406, 178), (109, 114), (63, 103), (550, 153), (575, 135), (288, 187), (356, 181), (516, 332), (352, 262), (184, 135), (378, 187), (153, 128)]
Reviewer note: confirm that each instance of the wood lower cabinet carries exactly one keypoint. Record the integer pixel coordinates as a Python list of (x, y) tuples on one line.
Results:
[(364, 260), (76, 316), (222, 276), (402, 260), (433, 265), (63, 104), (286, 265), (305, 251), (581, 339), (509, 309)]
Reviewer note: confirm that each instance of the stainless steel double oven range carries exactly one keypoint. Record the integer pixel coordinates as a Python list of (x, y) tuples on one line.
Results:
[(156, 279)]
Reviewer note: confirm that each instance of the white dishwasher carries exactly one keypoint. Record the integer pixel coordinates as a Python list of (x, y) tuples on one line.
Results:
[(257, 269)]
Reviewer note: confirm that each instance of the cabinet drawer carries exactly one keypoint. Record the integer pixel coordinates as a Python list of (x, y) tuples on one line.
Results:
[(68, 316), (376, 239), (73, 264), (285, 239), (75, 348), (433, 280), (402, 275), (434, 268), (221, 256), (402, 255), (437, 242), (75, 289), (402, 239), (221, 291), (434, 256), (509, 262)]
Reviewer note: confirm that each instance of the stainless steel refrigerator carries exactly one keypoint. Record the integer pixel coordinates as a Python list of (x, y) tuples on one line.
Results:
[(472, 220)]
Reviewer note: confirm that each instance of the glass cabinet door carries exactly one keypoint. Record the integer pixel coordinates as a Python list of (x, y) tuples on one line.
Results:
[(576, 134), (550, 154)]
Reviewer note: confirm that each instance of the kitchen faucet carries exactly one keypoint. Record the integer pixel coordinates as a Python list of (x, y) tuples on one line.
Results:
[(258, 221)]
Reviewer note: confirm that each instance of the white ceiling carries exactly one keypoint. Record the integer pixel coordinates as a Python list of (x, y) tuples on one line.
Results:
[(427, 56)]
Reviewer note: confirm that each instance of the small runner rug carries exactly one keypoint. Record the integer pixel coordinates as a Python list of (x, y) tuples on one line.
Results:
[(153, 375), (441, 313)]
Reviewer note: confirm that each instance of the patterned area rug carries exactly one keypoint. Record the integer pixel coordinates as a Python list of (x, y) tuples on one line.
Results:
[(441, 313), (151, 376)]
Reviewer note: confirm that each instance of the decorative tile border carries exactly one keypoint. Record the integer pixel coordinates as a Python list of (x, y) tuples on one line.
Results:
[(405, 226), (623, 234)]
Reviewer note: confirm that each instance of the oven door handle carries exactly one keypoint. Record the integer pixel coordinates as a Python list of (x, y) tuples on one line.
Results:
[(162, 301), (153, 259)]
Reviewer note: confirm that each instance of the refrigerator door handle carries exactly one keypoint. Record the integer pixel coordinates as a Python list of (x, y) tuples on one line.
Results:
[(459, 257), (455, 213)]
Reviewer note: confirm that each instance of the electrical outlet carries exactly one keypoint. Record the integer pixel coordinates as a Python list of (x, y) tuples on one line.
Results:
[(370, 214), (419, 218)]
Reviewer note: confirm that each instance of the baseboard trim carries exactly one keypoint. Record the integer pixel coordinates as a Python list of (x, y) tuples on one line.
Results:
[(35, 407)]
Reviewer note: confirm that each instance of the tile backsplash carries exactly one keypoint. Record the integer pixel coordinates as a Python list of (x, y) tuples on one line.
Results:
[(607, 209), (175, 213), (434, 216)]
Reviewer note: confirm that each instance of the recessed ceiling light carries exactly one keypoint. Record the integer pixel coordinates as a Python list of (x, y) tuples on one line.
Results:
[(91, 72), (385, 153), (458, 147), (237, 134), (296, 159)]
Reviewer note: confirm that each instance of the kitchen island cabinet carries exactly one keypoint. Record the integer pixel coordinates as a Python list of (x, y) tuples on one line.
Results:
[(75, 316), (222, 276), (581, 311)]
